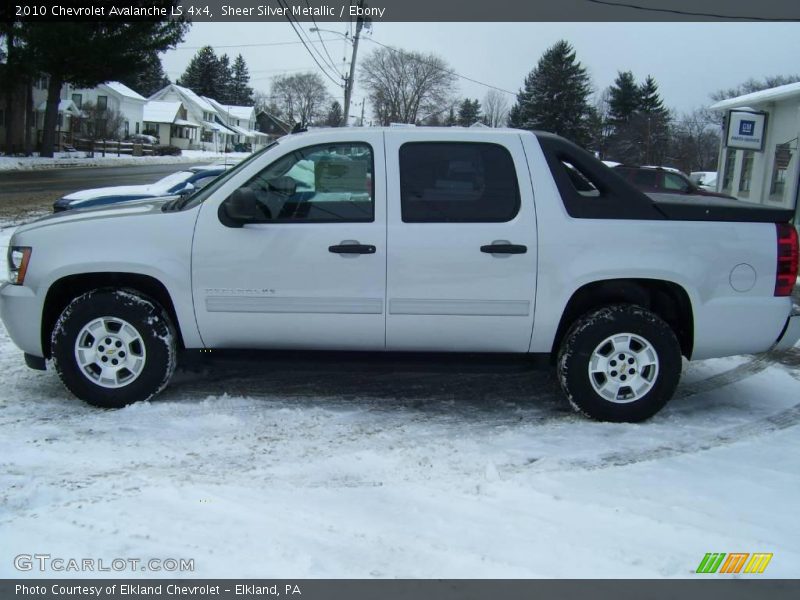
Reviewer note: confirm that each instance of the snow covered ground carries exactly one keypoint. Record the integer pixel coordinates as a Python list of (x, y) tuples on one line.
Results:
[(295, 468), (79, 159)]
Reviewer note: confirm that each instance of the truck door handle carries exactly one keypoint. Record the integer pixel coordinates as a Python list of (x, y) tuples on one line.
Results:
[(504, 249), (352, 249)]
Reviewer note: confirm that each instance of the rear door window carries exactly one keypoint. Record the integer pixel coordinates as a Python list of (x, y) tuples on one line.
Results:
[(449, 182)]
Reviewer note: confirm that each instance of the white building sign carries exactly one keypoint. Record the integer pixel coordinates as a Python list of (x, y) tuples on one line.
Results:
[(746, 130)]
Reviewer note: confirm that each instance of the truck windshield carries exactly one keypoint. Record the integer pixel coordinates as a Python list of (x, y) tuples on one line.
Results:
[(200, 195)]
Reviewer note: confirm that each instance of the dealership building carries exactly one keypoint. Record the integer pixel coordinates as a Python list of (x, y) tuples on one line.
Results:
[(758, 159)]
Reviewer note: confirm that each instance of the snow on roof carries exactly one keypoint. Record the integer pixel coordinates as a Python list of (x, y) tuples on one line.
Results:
[(769, 95), (123, 90), (63, 106), (237, 112), (156, 111), (196, 99)]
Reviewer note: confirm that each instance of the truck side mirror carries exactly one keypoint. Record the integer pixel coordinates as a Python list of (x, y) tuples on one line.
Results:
[(241, 207)]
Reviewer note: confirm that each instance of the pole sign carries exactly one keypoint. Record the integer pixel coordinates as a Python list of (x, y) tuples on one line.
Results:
[(746, 130)]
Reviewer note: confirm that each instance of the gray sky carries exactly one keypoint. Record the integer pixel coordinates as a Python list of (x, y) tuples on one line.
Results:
[(689, 60)]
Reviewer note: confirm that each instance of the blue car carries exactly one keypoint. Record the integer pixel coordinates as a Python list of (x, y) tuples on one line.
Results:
[(180, 183)]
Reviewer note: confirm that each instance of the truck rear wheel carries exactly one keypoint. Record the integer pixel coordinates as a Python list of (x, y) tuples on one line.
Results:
[(620, 363), (114, 347)]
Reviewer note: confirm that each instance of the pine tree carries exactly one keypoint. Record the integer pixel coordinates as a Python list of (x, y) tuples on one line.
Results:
[(623, 103), (451, 118), (469, 112), (555, 96), (224, 93), (202, 76), (148, 80), (652, 123), (241, 92)]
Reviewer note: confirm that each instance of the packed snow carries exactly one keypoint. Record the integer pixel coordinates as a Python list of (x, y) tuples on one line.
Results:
[(80, 159), (288, 467)]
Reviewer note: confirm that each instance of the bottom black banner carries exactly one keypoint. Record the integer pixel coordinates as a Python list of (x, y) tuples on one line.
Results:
[(346, 589)]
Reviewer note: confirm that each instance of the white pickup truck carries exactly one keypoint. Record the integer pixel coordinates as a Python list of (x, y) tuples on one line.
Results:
[(407, 239)]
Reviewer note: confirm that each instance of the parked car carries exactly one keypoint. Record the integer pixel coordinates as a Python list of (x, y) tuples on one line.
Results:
[(407, 239), (142, 138), (182, 182), (663, 180), (705, 180)]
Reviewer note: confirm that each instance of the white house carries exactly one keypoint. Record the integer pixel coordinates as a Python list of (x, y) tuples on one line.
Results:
[(208, 131), (242, 120), (113, 95), (168, 121), (758, 157)]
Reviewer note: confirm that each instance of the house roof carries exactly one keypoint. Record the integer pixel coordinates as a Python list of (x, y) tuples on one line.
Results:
[(219, 127), (237, 112), (196, 99), (157, 111), (782, 92), (123, 90), (278, 121)]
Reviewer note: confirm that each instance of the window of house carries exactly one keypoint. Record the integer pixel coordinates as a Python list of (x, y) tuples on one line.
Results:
[(78, 100), (780, 169), (730, 166), (102, 102), (137, 126), (446, 182), (746, 175), (127, 128), (323, 183)]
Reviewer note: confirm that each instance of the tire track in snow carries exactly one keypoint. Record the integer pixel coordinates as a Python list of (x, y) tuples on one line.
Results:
[(756, 365)]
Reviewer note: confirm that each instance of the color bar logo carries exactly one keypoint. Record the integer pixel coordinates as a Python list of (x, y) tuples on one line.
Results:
[(735, 562)]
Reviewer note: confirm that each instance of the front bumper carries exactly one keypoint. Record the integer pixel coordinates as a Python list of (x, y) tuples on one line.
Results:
[(21, 312), (791, 332)]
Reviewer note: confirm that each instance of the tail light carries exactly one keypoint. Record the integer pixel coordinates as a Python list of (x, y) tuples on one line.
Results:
[(786, 268)]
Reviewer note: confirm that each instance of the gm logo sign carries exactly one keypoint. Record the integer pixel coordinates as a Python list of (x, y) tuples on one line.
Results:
[(747, 127)]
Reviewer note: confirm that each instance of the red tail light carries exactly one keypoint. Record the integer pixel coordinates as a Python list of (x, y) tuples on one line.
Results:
[(786, 270)]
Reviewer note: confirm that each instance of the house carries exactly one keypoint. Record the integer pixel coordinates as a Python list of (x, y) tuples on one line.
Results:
[(26, 98), (111, 95), (242, 120), (271, 125), (168, 121), (758, 155), (208, 132)]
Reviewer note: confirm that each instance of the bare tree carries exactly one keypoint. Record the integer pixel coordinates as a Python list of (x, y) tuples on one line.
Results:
[(406, 87), (754, 85), (695, 141), (495, 108), (96, 123), (301, 98)]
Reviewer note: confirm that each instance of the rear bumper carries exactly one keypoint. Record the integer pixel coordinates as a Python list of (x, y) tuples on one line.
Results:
[(790, 333)]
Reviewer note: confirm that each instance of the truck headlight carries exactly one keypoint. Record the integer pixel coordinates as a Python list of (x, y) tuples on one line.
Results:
[(18, 258)]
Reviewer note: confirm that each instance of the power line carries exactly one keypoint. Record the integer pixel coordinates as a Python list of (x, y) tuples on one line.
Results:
[(451, 72), (319, 35), (299, 35), (676, 11), (249, 45)]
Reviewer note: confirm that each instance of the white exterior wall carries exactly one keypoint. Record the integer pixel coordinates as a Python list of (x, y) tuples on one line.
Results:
[(131, 109), (783, 125)]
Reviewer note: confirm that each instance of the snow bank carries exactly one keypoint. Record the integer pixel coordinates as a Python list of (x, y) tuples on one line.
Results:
[(79, 159)]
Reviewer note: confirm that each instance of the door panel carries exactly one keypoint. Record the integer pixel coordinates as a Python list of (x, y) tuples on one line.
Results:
[(279, 284), (461, 286)]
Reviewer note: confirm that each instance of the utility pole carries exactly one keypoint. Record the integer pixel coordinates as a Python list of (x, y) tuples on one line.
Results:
[(361, 122), (348, 86)]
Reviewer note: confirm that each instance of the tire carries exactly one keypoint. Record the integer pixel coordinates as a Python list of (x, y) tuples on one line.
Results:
[(143, 344), (592, 355)]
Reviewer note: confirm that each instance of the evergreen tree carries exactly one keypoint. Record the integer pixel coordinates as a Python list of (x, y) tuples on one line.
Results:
[(652, 123), (202, 76), (469, 112), (624, 98), (555, 96), (241, 92), (623, 103), (149, 79), (224, 81), (335, 115), (451, 118)]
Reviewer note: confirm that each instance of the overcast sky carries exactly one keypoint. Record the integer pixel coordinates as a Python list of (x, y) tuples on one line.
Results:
[(689, 60)]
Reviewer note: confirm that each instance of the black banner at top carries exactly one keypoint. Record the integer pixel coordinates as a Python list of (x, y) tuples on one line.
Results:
[(405, 10)]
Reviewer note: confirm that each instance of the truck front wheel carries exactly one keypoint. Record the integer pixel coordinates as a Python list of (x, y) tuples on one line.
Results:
[(114, 347), (620, 363)]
